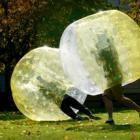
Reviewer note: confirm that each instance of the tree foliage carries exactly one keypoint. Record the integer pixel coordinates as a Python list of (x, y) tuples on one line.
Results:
[(134, 11), (59, 14), (17, 18), (16, 28)]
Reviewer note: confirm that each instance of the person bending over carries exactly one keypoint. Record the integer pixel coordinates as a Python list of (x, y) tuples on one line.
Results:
[(70, 103)]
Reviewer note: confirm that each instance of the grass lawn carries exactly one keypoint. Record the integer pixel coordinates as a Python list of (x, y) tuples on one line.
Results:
[(14, 126)]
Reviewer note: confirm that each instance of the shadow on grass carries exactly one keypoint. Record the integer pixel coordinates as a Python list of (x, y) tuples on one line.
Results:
[(69, 121), (104, 128), (6, 116), (63, 122)]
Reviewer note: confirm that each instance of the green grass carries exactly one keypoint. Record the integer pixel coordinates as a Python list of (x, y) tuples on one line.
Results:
[(14, 126)]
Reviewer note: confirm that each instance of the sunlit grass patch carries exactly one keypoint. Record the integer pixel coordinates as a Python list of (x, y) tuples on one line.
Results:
[(14, 126)]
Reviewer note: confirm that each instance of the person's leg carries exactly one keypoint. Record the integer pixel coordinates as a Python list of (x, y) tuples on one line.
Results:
[(119, 96), (75, 104), (108, 105), (66, 108)]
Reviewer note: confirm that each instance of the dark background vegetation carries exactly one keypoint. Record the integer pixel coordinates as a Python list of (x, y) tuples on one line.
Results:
[(27, 24)]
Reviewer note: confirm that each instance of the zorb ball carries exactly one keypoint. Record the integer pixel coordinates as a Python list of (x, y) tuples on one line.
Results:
[(38, 85), (103, 50)]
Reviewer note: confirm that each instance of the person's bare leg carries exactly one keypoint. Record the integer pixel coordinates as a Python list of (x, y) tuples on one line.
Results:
[(128, 102), (109, 106), (119, 96)]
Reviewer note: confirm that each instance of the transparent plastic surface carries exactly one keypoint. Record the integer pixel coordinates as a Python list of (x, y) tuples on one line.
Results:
[(101, 50), (38, 85)]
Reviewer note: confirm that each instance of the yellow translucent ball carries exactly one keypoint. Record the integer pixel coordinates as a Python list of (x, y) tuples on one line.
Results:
[(104, 48), (38, 85)]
